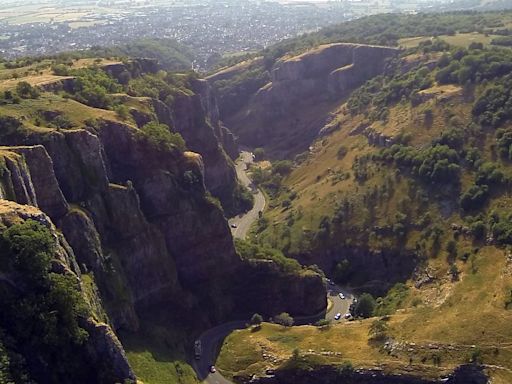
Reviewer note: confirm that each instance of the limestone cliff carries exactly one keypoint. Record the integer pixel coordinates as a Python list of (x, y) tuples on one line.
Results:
[(287, 113), (139, 218), (138, 222), (195, 116)]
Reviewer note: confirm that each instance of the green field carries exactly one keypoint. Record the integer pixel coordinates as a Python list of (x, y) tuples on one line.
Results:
[(459, 39)]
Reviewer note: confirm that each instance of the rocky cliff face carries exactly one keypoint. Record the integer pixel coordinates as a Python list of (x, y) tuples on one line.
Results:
[(301, 295), (468, 374), (139, 219), (102, 350), (289, 111), (195, 116)]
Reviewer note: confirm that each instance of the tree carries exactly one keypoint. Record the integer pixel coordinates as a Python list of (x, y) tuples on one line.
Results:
[(256, 319), (259, 154), (341, 271), (26, 91), (161, 136), (283, 167), (378, 330), (365, 306), (284, 319)]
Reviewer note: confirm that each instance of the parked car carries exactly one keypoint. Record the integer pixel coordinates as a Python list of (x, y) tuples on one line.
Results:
[(234, 226), (348, 315), (212, 369), (337, 316), (342, 296)]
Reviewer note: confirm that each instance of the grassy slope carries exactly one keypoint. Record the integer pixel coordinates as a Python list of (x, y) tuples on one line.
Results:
[(444, 318), (157, 356), (472, 317)]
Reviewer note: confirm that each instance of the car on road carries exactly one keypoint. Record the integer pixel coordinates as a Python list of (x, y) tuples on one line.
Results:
[(234, 226), (212, 369), (348, 315), (337, 316), (342, 296)]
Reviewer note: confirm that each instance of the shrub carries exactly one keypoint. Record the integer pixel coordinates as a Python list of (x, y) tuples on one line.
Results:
[(323, 322), (283, 167), (8, 125), (259, 154), (256, 319), (26, 91), (378, 330), (365, 306), (342, 152), (474, 197), (122, 111), (43, 317), (284, 319), (161, 136), (248, 251)]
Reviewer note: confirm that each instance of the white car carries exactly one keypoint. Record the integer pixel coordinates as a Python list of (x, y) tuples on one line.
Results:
[(212, 369), (348, 315), (337, 316), (342, 296)]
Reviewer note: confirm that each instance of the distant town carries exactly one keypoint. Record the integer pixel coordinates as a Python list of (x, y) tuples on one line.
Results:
[(210, 28)]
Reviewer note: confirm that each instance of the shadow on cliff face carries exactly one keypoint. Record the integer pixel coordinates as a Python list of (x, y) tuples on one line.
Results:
[(466, 374), (372, 271)]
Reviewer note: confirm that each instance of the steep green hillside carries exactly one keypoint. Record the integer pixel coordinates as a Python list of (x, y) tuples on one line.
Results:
[(408, 183)]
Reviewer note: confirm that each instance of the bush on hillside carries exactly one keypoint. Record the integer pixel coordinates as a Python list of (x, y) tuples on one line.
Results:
[(474, 197), (161, 136), (365, 306), (248, 250), (40, 322), (26, 91), (284, 319)]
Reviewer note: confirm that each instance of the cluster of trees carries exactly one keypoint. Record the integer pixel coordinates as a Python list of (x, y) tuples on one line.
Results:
[(382, 91), (252, 251), (161, 136), (26, 91), (434, 164), (9, 125), (505, 41), (94, 87), (494, 106), (163, 86), (473, 65), (170, 54), (40, 335)]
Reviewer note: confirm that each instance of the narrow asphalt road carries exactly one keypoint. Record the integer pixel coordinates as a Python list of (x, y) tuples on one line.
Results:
[(211, 340), (241, 224)]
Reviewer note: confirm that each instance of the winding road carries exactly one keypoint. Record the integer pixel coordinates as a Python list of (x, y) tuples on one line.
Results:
[(211, 340), (241, 224)]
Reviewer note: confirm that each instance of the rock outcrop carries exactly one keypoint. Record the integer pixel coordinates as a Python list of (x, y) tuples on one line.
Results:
[(195, 116), (140, 219), (330, 374), (139, 222), (290, 110)]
